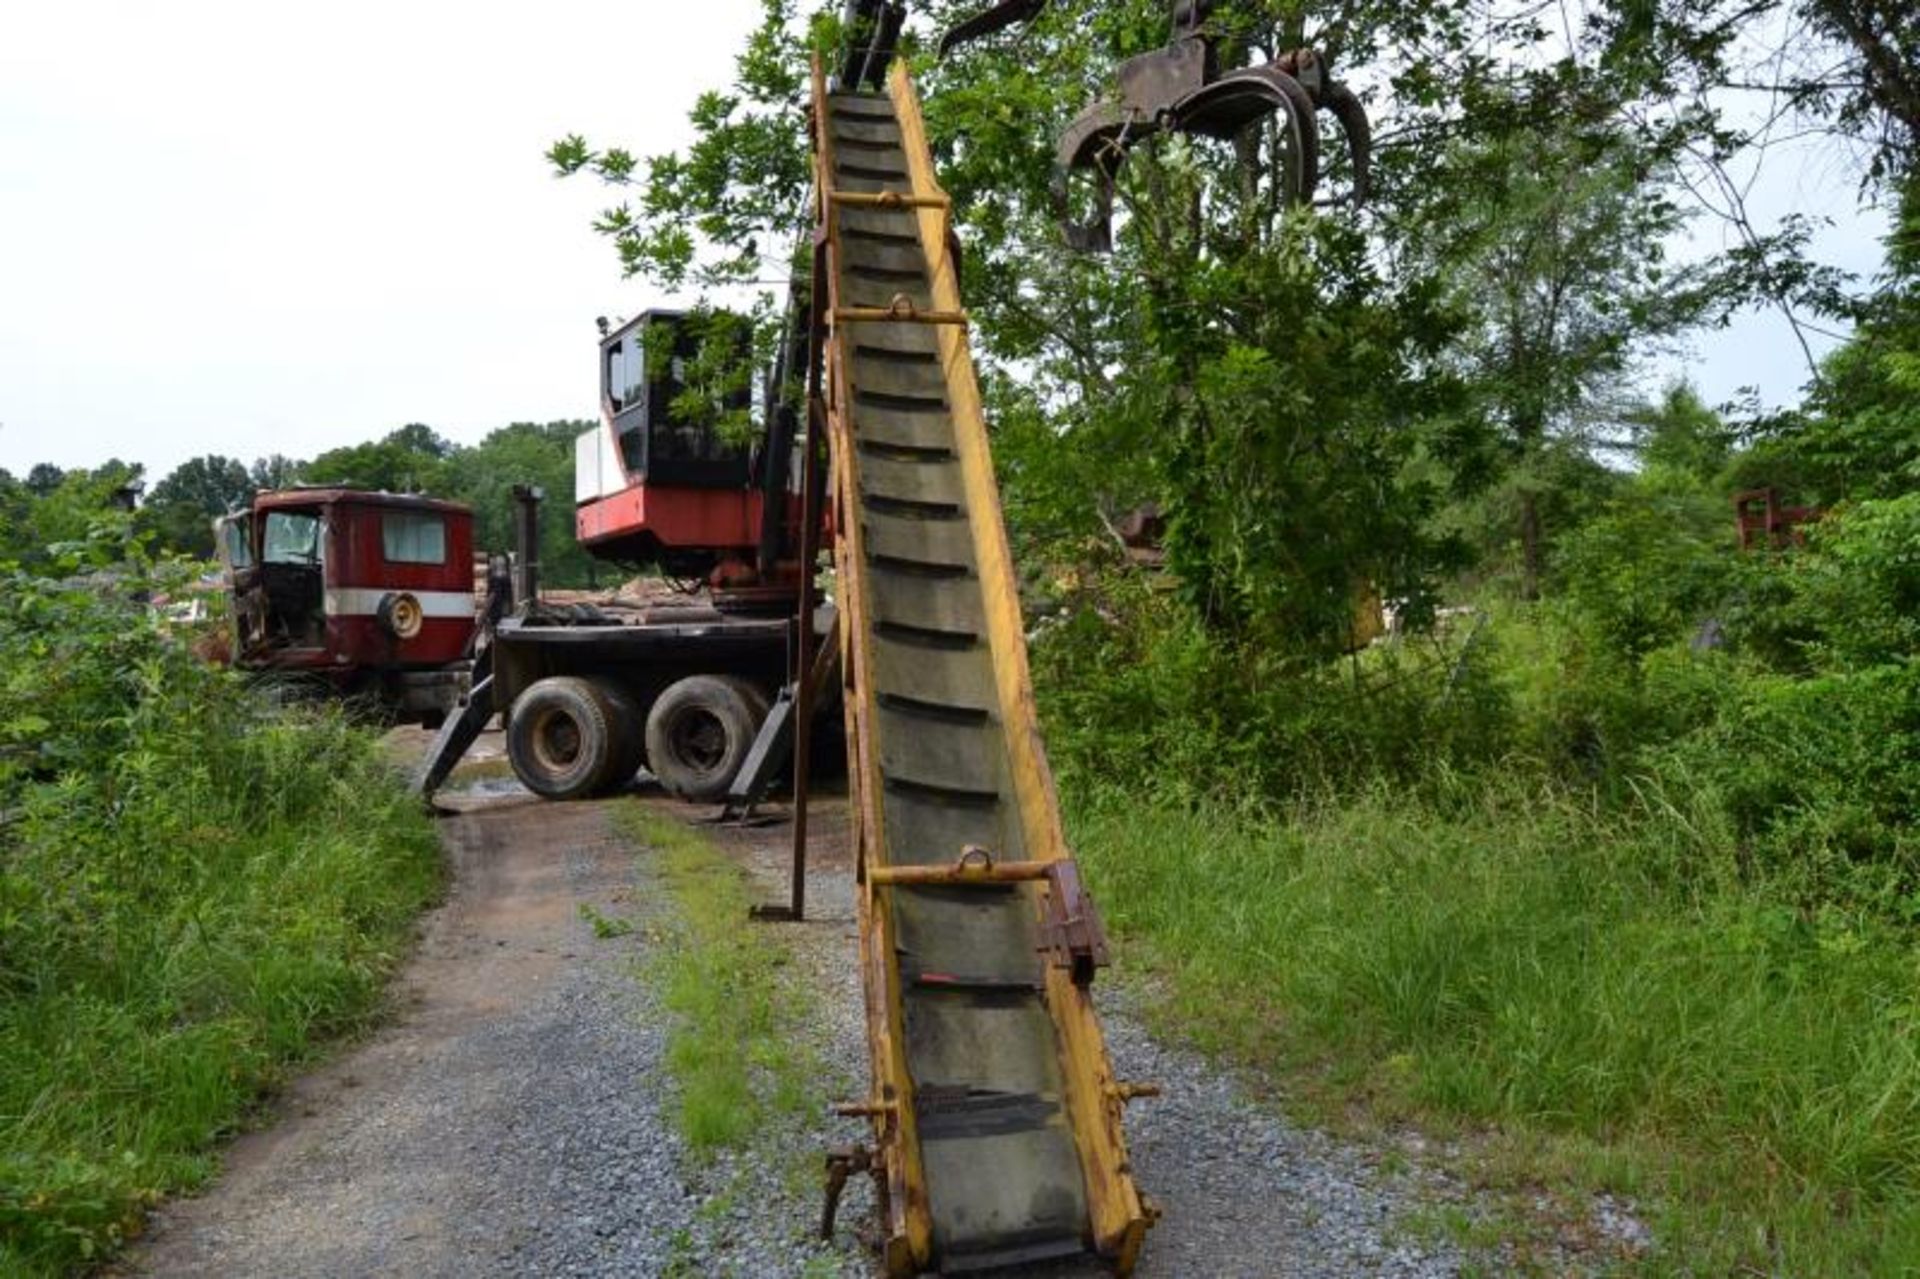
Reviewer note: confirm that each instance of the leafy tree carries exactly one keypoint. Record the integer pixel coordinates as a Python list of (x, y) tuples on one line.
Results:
[(1652, 564), (421, 438), (1548, 218), (1858, 436), (16, 505), (44, 478), (411, 459), (1682, 434), (83, 504), (1850, 67), (524, 453), (718, 214), (276, 471), (182, 507)]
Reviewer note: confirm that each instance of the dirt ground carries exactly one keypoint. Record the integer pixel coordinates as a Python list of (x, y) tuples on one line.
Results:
[(361, 1170), (507, 1119)]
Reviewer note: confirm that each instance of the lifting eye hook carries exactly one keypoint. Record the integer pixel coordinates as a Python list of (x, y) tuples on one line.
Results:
[(973, 860)]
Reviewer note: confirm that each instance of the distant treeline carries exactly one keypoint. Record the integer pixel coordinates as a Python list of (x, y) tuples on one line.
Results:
[(51, 507)]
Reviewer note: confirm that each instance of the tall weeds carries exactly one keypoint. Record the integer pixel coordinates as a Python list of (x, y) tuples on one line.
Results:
[(1633, 870), (195, 890)]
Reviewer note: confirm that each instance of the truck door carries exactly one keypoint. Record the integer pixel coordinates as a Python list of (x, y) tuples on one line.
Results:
[(233, 544), (292, 572)]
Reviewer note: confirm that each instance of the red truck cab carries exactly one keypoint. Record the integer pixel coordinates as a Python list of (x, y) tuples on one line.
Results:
[(369, 593)]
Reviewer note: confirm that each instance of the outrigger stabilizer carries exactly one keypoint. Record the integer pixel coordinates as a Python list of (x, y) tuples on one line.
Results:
[(1188, 87)]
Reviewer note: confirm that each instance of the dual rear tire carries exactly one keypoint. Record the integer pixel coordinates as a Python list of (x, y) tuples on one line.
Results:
[(570, 737), (699, 732)]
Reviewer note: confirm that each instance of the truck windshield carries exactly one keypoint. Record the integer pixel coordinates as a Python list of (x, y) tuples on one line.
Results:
[(292, 537)]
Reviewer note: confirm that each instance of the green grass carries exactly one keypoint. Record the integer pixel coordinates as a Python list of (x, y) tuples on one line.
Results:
[(176, 936), (736, 1049), (1604, 992), (605, 927)]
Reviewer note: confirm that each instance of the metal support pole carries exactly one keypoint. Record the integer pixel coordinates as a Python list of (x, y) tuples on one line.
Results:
[(809, 553), (526, 540), (803, 698)]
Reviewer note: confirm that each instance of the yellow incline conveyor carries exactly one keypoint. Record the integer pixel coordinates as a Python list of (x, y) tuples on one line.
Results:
[(995, 1107)]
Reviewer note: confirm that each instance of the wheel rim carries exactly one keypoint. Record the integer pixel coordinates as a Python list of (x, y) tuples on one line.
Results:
[(556, 741), (699, 739), (407, 617)]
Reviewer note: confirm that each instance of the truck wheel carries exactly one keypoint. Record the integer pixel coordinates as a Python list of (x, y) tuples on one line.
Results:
[(400, 615), (629, 734), (699, 732), (562, 739)]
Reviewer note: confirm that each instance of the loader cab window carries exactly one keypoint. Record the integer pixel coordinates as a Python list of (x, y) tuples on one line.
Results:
[(626, 373), (646, 372)]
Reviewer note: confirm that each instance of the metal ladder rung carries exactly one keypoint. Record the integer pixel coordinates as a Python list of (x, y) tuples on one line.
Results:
[(897, 314), (962, 873), (888, 200)]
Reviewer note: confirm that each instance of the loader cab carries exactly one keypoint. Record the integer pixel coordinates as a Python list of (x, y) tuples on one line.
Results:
[(647, 367), (656, 481)]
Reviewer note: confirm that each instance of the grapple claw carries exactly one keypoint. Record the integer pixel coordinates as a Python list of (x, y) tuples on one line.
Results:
[(873, 35), (1098, 140), (1345, 107), (1182, 88)]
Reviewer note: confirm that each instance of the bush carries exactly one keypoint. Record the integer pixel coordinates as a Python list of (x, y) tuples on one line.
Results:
[(1819, 780), (1135, 687), (1652, 567), (194, 891)]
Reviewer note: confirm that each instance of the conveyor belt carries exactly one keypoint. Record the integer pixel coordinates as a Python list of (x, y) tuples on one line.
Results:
[(994, 1104)]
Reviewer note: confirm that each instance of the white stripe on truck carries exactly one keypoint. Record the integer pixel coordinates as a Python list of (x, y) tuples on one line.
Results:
[(359, 602)]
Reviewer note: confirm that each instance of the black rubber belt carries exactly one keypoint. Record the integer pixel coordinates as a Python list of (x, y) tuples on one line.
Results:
[(946, 1111)]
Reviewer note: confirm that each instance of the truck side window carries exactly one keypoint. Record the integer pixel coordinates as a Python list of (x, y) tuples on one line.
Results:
[(410, 538), (235, 532)]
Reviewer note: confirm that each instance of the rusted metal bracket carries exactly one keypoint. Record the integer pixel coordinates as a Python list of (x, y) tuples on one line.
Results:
[(888, 200), (1121, 1094), (1071, 933), (842, 1165)]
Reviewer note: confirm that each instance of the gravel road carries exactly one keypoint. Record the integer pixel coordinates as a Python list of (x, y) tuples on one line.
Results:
[(508, 1120)]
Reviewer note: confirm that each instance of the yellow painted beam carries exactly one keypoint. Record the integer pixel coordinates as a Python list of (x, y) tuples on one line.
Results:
[(1119, 1218)]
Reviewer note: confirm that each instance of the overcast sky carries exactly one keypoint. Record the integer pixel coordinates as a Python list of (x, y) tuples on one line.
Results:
[(238, 227), (249, 228)]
